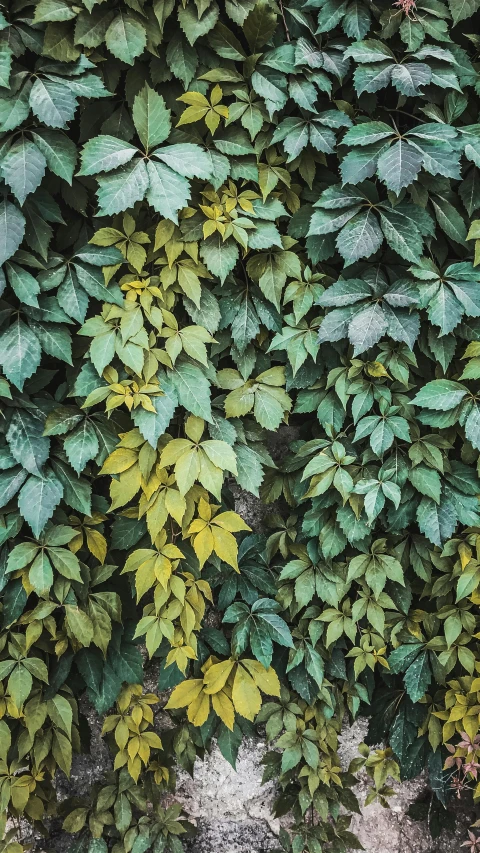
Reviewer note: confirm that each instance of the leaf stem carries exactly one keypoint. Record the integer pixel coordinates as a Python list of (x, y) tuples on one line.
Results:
[(282, 12)]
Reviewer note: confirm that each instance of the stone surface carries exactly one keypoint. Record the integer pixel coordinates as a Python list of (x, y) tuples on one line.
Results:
[(232, 809), (391, 830)]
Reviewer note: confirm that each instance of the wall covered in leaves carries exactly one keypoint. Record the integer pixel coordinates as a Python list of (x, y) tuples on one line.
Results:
[(218, 217)]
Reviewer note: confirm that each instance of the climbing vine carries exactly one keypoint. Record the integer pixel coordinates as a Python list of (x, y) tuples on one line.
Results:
[(224, 221)]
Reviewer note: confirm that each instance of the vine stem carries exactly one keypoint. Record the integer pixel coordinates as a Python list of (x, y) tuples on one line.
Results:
[(282, 12)]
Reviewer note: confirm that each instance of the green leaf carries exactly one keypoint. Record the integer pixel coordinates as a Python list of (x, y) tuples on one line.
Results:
[(59, 151), (15, 109), (367, 327), (52, 103), (259, 25), (14, 601), (360, 237), (193, 389), (186, 159), (410, 77), (77, 491), (462, 9), (167, 192), (20, 353), (37, 500), (19, 684), (417, 677), (399, 165), (27, 444), (440, 394), (12, 229), (41, 574), (80, 625), (81, 445), (58, 42), (104, 153), (182, 59), (400, 659), (10, 483), (119, 191), (55, 340), (426, 481), (229, 743), (23, 168), (126, 37), (24, 285), (5, 64), (195, 26), (436, 522), (401, 235), (151, 425), (151, 118), (218, 256)]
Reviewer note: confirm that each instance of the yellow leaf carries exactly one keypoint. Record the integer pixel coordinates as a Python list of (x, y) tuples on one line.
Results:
[(157, 516), (376, 369), (203, 545), (134, 767), (163, 570), (265, 679), (225, 545), (216, 676), (470, 725), (465, 553), (194, 426), (185, 693), (216, 95), (96, 544), (199, 710), (187, 470), (174, 449), (224, 708), (246, 695), (209, 475), (195, 99), (192, 114), (177, 585), (204, 509), (175, 504), (123, 490), (145, 578), (196, 526), (164, 232), (153, 740), (154, 637), (209, 228), (120, 460), (212, 120), (231, 521), (137, 558), (121, 734), (172, 552), (187, 619), (76, 543)]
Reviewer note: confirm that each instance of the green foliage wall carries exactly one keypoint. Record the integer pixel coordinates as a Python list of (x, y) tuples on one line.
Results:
[(218, 217)]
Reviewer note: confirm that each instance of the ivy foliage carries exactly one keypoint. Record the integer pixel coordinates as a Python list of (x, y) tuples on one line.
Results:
[(219, 218)]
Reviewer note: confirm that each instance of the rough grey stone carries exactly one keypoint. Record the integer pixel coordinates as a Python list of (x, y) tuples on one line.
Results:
[(232, 810)]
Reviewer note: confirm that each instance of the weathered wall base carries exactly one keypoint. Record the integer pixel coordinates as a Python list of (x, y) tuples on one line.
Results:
[(232, 809)]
